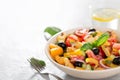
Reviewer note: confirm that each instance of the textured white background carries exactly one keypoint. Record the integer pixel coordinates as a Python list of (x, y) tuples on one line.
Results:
[(22, 23)]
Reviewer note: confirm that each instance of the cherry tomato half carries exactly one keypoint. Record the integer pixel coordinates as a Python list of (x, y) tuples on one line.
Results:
[(71, 39)]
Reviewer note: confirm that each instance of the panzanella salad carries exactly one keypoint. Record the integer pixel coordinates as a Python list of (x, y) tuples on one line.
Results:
[(87, 49)]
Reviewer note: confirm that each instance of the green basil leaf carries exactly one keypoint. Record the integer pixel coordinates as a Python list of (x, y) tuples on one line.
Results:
[(101, 40), (86, 46), (37, 62), (52, 30)]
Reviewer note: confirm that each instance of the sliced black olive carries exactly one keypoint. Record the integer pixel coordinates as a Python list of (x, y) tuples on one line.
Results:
[(116, 61), (92, 30), (62, 44), (95, 51), (78, 64)]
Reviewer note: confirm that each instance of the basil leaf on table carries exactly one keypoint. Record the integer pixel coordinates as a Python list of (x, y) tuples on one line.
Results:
[(52, 30), (37, 61)]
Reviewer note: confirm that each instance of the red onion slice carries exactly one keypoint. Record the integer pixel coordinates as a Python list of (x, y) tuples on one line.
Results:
[(104, 66)]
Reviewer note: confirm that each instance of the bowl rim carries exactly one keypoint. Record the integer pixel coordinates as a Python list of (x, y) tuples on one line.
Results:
[(57, 64)]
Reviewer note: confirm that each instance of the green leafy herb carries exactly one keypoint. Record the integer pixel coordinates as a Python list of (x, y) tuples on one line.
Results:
[(86, 46), (37, 61), (52, 30), (101, 40)]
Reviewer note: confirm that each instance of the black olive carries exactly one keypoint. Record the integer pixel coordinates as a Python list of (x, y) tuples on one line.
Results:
[(95, 51), (116, 61), (92, 30), (78, 64), (62, 44)]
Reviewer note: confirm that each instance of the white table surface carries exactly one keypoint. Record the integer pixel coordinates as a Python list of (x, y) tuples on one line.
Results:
[(22, 23)]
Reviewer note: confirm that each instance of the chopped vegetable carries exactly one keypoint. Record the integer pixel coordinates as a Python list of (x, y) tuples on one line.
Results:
[(92, 61), (101, 40), (116, 61), (86, 46), (95, 50), (103, 65), (62, 44), (92, 30), (60, 60), (61, 38), (78, 64), (71, 39), (88, 67), (56, 51)]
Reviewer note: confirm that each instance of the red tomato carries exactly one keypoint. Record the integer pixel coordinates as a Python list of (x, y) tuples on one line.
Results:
[(81, 32), (116, 45), (102, 53), (74, 37), (112, 40), (67, 42), (71, 39)]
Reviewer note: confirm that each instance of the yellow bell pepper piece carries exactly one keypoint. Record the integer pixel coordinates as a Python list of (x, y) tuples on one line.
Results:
[(76, 52), (67, 54), (92, 61), (51, 45), (79, 52), (56, 51)]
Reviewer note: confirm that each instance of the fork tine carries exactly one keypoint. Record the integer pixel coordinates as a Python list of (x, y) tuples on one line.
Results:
[(36, 66), (32, 65), (39, 66)]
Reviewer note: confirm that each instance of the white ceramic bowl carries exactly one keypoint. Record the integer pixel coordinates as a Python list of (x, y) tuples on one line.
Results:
[(85, 74)]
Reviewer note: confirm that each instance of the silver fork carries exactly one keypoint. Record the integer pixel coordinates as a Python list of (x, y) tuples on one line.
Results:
[(40, 68)]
